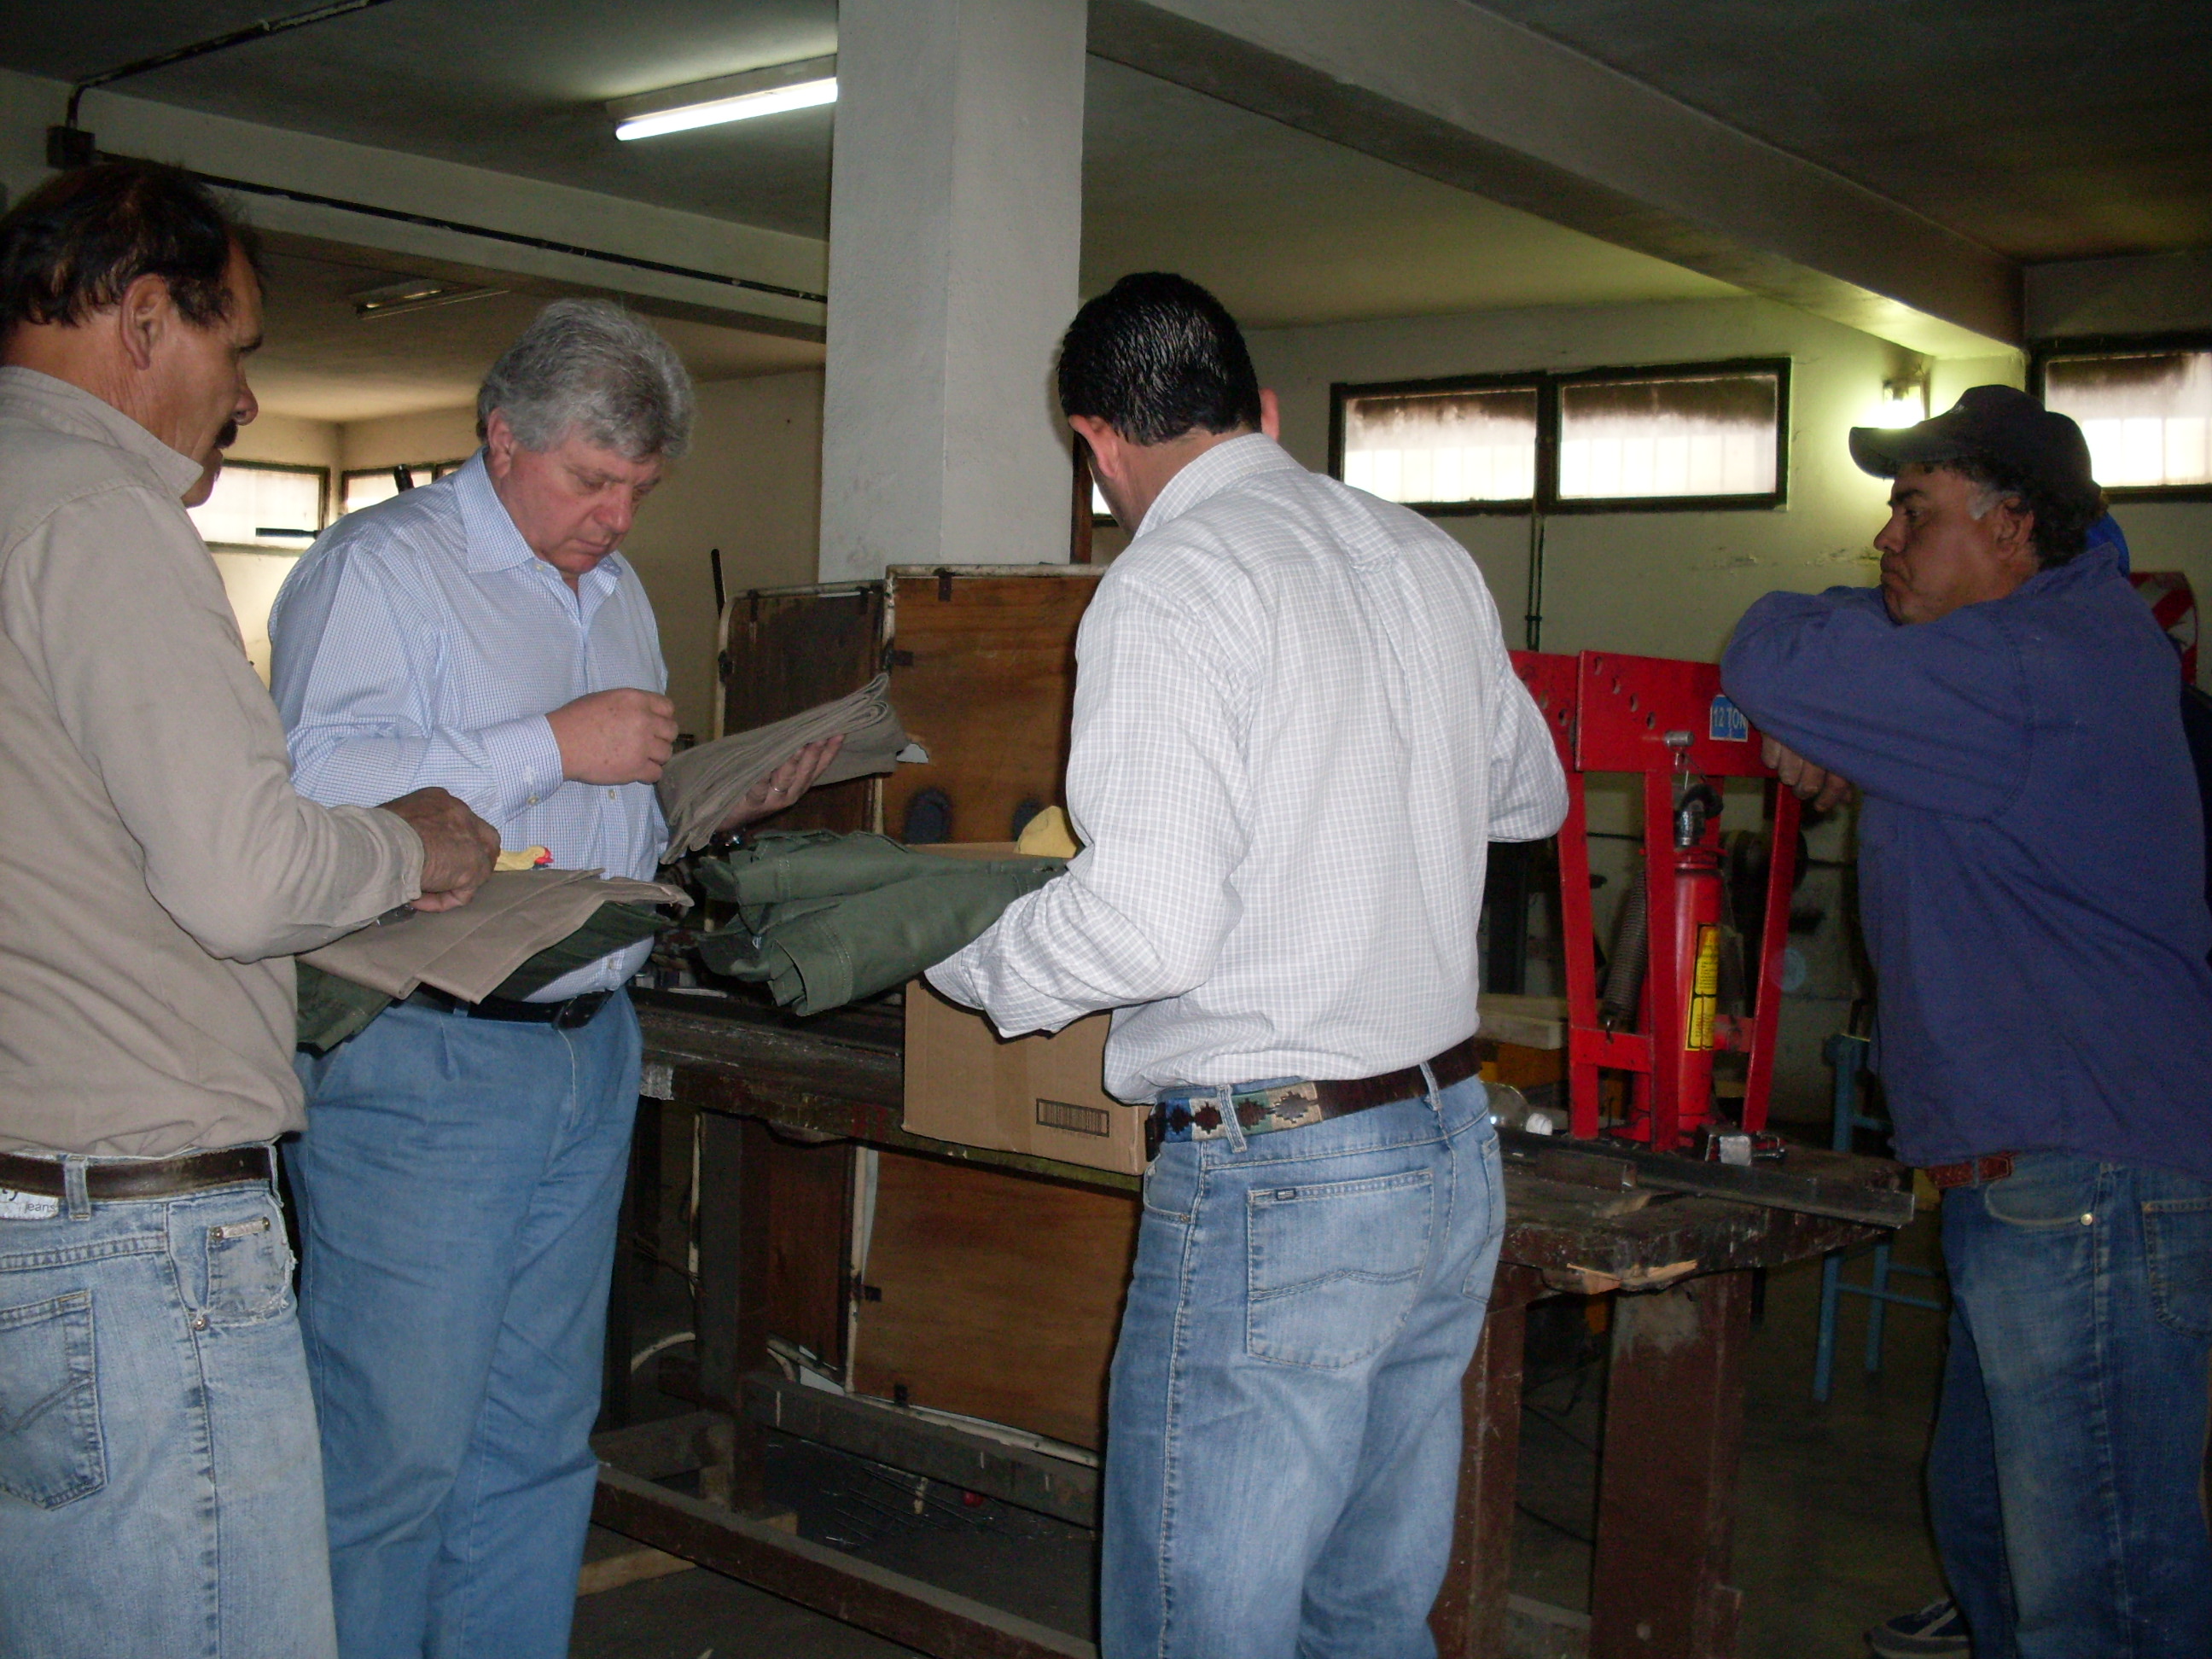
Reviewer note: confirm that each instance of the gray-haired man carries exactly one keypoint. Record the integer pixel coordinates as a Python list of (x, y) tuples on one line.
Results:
[(462, 1170)]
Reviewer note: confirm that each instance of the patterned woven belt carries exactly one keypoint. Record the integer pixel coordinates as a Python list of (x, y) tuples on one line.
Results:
[(1973, 1171), (1265, 1107)]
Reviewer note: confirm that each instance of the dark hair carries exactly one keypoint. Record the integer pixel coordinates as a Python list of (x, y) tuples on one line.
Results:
[(73, 246), (2063, 513), (1156, 356)]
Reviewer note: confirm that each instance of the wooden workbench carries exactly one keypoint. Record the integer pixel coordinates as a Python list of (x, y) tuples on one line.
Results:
[(1674, 1405)]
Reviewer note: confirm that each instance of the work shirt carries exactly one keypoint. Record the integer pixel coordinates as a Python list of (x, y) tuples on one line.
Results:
[(2031, 858), (157, 872), (1296, 732), (420, 641)]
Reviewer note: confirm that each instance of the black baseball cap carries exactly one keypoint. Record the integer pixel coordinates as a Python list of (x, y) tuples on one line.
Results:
[(1991, 423)]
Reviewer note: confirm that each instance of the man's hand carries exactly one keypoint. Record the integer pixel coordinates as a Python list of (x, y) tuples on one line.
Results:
[(458, 847), (785, 784), (615, 737), (1809, 782)]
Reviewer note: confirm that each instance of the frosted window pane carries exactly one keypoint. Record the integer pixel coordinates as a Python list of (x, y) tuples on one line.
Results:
[(254, 507), (1443, 446), (1650, 440), (2145, 414)]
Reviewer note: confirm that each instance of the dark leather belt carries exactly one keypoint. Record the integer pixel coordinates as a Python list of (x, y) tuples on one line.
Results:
[(1196, 1115), (150, 1177), (1974, 1171), (566, 1016)]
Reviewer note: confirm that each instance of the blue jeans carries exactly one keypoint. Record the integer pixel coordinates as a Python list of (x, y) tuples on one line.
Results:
[(160, 1493), (459, 1183), (1284, 1417), (2063, 1482)]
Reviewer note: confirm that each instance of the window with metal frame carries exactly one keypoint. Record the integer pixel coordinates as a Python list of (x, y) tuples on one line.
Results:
[(366, 486), (265, 504), (2145, 407), (1676, 435)]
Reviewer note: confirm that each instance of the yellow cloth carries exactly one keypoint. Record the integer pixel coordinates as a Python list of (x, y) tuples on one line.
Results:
[(1048, 836)]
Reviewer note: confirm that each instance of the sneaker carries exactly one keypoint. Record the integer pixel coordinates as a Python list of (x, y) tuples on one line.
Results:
[(1936, 1629)]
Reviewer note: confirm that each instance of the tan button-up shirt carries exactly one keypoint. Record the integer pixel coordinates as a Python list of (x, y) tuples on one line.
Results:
[(157, 870)]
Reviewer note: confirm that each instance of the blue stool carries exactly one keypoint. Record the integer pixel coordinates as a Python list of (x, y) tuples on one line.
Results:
[(1847, 1055)]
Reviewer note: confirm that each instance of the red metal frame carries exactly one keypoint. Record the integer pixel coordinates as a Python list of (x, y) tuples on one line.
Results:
[(1617, 714)]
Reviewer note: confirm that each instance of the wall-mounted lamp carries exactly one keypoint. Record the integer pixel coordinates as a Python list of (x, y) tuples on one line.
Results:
[(806, 84), (1904, 402)]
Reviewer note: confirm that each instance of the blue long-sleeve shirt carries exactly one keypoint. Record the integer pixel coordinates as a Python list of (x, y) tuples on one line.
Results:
[(420, 641), (2031, 857)]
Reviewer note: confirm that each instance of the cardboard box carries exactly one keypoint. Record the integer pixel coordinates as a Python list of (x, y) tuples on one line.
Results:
[(1041, 1094)]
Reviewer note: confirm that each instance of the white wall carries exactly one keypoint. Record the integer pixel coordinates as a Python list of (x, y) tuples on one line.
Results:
[(434, 435)]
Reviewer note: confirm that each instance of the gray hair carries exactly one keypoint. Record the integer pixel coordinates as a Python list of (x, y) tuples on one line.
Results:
[(593, 366)]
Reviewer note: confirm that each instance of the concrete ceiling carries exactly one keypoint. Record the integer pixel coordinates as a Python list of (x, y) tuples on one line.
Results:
[(324, 363), (2043, 129), (517, 86), (1291, 228)]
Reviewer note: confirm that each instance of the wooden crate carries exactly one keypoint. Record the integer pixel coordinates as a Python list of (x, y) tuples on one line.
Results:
[(994, 1295), (982, 668)]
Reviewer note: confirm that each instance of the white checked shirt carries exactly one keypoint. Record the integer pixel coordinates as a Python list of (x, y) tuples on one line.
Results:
[(1296, 732), (420, 641)]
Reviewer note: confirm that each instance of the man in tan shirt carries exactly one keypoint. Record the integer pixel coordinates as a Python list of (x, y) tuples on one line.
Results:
[(159, 1492)]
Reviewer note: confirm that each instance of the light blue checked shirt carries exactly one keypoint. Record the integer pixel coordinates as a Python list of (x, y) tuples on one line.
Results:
[(421, 642)]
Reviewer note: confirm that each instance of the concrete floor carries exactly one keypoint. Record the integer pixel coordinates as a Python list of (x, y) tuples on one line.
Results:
[(1829, 1536)]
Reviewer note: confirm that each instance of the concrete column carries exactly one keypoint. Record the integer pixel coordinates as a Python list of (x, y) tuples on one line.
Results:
[(955, 222)]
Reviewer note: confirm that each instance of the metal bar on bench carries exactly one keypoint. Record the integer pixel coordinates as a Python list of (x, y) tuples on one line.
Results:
[(886, 1434), (905, 1610), (1770, 1188)]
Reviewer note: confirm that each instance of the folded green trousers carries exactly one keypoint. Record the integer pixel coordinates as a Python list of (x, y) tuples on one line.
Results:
[(333, 1009), (827, 919)]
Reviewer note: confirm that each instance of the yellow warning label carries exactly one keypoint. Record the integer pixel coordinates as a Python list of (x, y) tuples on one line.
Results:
[(1704, 987)]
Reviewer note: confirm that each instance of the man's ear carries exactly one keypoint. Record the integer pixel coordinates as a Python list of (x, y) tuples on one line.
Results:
[(1271, 414), (2015, 533), (145, 310), (1108, 459), (499, 443)]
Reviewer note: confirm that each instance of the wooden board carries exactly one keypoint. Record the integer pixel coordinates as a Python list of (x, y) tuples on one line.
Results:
[(783, 652), (994, 1296), (810, 1236), (983, 674)]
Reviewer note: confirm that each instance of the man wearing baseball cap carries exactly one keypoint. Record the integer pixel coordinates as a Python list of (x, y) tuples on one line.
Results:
[(2031, 865)]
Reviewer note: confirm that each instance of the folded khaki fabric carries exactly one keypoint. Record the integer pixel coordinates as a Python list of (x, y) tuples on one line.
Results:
[(702, 786), (333, 1009), (826, 919), (471, 952)]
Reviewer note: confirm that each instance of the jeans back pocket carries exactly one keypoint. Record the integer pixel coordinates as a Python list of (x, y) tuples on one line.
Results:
[(1332, 1268), (2178, 1249), (51, 1452)]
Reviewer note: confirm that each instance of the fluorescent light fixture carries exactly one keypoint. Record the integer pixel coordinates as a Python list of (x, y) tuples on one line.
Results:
[(415, 294), (806, 84)]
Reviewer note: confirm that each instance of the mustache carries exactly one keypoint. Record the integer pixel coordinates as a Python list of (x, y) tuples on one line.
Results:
[(227, 436)]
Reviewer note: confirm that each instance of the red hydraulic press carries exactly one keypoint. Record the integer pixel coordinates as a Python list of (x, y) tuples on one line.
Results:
[(1660, 1017)]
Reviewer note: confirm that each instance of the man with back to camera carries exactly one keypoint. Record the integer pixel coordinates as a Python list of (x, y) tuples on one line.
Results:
[(462, 1172), (159, 1492), (1296, 731), (2031, 887)]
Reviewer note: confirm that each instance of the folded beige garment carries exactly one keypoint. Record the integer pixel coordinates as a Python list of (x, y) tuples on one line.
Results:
[(470, 951), (702, 786)]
